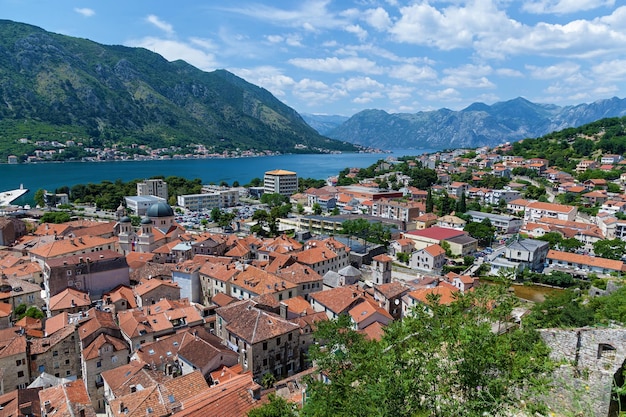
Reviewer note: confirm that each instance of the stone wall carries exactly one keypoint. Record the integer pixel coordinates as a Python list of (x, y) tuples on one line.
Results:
[(588, 361)]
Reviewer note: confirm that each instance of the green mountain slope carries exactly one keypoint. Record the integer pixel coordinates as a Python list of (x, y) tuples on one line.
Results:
[(51, 83)]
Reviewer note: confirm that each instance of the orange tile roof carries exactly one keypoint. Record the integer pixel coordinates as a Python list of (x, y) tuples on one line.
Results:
[(69, 298), (92, 351), (298, 274), (298, 305), (364, 310), (339, 299), (253, 324), (560, 208), (435, 250), (231, 398), (257, 281), (72, 246), (315, 255), (592, 261), (446, 293), (68, 398)]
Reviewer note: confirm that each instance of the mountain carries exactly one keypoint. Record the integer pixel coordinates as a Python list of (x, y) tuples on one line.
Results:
[(323, 123), (477, 125), (51, 83)]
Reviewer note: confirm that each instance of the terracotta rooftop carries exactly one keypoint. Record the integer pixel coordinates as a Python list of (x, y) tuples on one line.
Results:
[(73, 245), (298, 274), (446, 293), (21, 403), (92, 351), (256, 281), (592, 261), (253, 324), (391, 289), (435, 250), (339, 299), (69, 298), (68, 398), (234, 397)]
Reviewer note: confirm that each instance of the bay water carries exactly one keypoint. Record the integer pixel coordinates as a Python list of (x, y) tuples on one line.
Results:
[(50, 176)]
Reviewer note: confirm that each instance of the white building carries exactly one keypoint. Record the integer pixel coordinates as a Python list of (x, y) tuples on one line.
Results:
[(139, 204), (280, 181), (156, 187), (208, 201)]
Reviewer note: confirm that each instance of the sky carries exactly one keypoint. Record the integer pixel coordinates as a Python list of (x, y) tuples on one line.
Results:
[(339, 57)]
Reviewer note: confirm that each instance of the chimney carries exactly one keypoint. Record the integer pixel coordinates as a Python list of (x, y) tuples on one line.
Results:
[(122, 405), (47, 406)]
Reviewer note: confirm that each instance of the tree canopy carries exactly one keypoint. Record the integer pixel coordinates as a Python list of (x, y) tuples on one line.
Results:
[(443, 360)]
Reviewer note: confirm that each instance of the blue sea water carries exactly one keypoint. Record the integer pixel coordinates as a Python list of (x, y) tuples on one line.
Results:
[(51, 176)]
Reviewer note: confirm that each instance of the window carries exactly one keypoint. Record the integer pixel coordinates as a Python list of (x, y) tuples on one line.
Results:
[(99, 364), (69, 272), (278, 342), (264, 345), (55, 353), (289, 337), (114, 359), (18, 362), (265, 362), (67, 361), (20, 374)]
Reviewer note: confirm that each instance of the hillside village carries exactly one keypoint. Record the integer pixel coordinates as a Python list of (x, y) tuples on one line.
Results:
[(159, 319)]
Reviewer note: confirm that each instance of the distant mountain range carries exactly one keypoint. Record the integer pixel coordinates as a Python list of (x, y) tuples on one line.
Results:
[(477, 125), (51, 83)]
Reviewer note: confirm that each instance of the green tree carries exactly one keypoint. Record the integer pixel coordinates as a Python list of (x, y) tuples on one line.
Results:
[(461, 204), (429, 201), (274, 199), (275, 407), (39, 197), (610, 249), (317, 209), (403, 257), (56, 217), (300, 208), (482, 231), (441, 360), (561, 309)]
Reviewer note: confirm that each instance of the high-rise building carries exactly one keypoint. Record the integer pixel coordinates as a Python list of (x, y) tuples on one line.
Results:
[(156, 187), (280, 181)]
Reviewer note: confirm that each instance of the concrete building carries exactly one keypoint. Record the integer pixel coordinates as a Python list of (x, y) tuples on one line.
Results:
[(139, 205), (154, 187), (209, 201), (280, 181), (95, 273), (264, 341), (503, 224)]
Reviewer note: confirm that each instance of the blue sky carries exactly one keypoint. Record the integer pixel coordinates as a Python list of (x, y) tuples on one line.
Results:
[(340, 57)]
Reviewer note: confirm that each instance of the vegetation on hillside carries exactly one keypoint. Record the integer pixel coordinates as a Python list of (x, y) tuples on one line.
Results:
[(443, 360), (566, 147), (56, 87)]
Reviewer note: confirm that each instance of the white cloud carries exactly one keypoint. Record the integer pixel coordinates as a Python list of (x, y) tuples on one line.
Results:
[(164, 26), (361, 83), (337, 65), (400, 92), (358, 31), (311, 15), (378, 18), (366, 98), (561, 70), (509, 72), (173, 50), (576, 39), (468, 76), (315, 92), (564, 6), (275, 38), (412, 73), (452, 27), (610, 70), (268, 77), (85, 11)]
